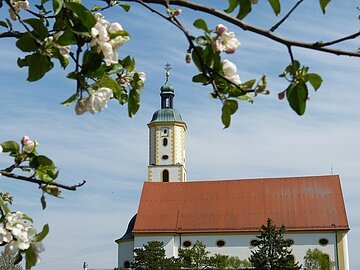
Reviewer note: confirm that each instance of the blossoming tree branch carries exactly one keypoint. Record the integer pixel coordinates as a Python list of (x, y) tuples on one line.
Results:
[(78, 37)]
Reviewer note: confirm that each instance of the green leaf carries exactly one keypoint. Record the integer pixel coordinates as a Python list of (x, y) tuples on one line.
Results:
[(249, 84), (196, 54), (245, 9), (38, 26), (38, 66), (10, 146), (91, 62), (30, 257), (67, 38), (40, 236), (128, 63), (201, 24), (229, 108), (133, 102), (297, 95), (200, 78), (57, 6), (4, 206), (27, 218), (9, 23), (84, 15), (275, 5), (232, 5), (70, 100), (44, 168), (3, 24), (201, 41), (125, 7), (43, 201), (27, 43), (323, 4), (110, 83), (314, 79)]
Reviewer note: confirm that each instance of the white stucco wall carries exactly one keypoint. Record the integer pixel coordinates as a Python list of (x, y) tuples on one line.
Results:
[(125, 252), (239, 244), (156, 173), (168, 241)]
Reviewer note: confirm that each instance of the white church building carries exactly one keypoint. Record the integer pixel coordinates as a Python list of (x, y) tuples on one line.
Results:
[(226, 215)]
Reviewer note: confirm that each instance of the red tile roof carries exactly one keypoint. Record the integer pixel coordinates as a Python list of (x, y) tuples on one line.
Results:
[(298, 203)]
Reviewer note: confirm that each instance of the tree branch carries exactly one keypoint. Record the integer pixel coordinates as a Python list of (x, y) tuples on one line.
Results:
[(254, 29), (272, 29), (40, 182)]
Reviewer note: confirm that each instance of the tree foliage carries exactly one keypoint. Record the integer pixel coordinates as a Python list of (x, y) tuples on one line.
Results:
[(8, 262), (315, 259), (195, 257), (273, 252)]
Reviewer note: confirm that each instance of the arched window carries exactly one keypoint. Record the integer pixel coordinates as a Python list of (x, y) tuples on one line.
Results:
[(165, 142), (165, 176)]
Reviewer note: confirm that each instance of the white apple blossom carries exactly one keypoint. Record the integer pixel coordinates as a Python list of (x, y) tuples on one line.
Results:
[(96, 102), (5, 235), (142, 76), (114, 28), (221, 29), (107, 39), (16, 5), (82, 106), (226, 42), (29, 145), (1, 149), (230, 71)]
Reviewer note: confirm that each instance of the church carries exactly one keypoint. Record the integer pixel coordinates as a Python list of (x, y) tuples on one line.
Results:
[(226, 215)]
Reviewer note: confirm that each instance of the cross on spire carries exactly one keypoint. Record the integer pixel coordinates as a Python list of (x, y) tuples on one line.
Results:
[(167, 68)]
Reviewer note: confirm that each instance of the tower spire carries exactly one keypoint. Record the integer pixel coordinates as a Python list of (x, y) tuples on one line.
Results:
[(167, 91), (167, 139)]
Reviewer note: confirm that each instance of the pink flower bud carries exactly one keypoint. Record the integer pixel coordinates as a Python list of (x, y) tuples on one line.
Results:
[(25, 139), (178, 11), (221, 29)]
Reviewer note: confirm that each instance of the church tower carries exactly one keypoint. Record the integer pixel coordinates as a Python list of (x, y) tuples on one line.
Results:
[(167, 139)]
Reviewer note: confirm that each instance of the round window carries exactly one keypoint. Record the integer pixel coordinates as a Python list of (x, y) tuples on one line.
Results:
[(186, 243), (323, 241), (165, 157), (220, 243)]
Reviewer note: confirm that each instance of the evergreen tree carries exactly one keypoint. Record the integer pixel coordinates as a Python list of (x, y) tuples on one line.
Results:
[(315, 259), (150, 257), (7, 262), (273, 251)]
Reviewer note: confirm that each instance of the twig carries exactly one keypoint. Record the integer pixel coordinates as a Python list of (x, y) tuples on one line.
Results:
[(17, 15), (272, 29), (39, 181), (324, 44), (251, 28)]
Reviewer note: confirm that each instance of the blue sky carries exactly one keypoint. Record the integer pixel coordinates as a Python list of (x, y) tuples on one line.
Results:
[(110, 150)]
